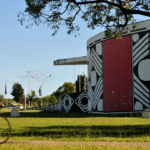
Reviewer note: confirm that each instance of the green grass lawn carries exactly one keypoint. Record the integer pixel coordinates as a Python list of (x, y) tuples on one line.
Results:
[(36, 125), (65, 147)]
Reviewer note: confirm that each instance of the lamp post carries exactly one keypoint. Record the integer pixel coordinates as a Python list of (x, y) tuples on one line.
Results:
[(41, 86), (28, 76)]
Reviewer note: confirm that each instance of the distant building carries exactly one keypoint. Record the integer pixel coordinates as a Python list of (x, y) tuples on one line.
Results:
[(17, 105)]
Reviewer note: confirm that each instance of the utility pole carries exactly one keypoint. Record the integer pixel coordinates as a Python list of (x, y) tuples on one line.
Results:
[(29, 85), (29, 75), (24, 102)]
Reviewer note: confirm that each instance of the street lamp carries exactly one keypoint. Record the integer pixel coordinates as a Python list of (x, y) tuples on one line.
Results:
[(28, 76), (41, 85)]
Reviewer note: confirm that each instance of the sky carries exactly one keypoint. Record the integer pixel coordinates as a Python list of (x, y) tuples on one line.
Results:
[(23, 50), (34, 50)]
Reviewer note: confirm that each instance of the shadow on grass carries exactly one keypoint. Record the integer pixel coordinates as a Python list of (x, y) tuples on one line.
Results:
[(57, 132), (43, 114)]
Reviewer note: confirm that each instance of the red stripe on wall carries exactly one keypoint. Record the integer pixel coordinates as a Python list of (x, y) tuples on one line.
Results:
[(117, 73)]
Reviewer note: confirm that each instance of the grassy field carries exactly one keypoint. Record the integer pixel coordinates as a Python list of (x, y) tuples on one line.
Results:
[(36, 125), (85, 147), (44, 147), (56, 126)]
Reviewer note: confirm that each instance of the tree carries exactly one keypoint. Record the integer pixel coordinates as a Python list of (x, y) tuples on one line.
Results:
[(5, 101), (37, 102), (66, 88), (8, 102), (81, 83), (52, 99), (31, 97), (105, 13), (17, 92), (1, 100), (48, 100)]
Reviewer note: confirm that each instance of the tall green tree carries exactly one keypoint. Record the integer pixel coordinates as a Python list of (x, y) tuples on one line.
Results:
[(52, 99), (17, 92), (96, 13), (66, 88)]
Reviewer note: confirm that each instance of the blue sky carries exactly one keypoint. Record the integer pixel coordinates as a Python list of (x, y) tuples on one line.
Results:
[(35, 50)]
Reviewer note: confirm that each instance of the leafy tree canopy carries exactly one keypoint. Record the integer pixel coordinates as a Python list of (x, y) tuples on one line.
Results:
[(66, 88), (96, 13), (52, 99), (49, 100), (5, 101), (1, 97), (17, 92), (32, 96)]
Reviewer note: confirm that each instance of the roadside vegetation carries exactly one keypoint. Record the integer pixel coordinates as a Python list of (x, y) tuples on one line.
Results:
[(32, 100)]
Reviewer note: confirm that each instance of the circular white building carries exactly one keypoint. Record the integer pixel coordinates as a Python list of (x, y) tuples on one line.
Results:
[(118, 70)]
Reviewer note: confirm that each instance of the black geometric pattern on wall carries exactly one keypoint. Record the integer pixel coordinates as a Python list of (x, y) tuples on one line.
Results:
[(140, 62), (59, 105), (95, 79), (82, 101), (67, 103)]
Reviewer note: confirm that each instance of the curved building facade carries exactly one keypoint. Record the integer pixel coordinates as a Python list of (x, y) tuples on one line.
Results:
[(119, 71)]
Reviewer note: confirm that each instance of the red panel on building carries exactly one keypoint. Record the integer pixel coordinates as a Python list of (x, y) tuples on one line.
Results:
[(117, 73)]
